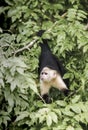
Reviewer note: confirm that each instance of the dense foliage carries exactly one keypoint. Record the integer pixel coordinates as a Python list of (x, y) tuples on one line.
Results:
[(65, 22)]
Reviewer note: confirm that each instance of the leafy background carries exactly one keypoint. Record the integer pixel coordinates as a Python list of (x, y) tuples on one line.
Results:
[(66, 25)]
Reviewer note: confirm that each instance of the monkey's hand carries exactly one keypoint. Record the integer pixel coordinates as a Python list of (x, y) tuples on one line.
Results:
[(46, 98)]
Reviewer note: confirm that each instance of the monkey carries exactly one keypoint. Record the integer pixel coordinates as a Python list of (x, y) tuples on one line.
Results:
[(50, 72), (50, 77)]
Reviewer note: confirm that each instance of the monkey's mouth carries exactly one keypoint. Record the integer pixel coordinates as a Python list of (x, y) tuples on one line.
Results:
[(41, 79)]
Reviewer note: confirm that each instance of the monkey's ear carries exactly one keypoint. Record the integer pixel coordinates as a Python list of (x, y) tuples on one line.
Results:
[(54, 74)]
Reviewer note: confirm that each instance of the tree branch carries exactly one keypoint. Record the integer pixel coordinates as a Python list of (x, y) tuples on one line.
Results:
[(29, 45), (63, 15), (52, 26)]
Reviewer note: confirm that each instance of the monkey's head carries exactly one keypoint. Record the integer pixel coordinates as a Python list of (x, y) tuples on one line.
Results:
[(47, 75)]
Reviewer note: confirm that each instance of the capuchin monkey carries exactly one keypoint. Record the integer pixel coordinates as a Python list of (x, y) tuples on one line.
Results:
[(50, 72)]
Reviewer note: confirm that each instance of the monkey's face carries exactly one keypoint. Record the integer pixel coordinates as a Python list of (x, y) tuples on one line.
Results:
[(47, 75)]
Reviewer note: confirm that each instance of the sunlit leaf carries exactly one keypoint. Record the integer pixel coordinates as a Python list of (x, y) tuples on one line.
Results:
[(22, 116), (76, 108), (76, 99), (48, 120), (53, 116), (61, 103), (70, 128)]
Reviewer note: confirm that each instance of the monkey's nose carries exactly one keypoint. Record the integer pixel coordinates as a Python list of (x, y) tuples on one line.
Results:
[(41, 78)]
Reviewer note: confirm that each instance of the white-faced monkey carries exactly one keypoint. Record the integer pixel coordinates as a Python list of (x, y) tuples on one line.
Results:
[(50, 72)]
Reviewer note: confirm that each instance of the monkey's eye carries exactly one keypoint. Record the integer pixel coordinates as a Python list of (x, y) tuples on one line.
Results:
[(46, 73), (42, 73)]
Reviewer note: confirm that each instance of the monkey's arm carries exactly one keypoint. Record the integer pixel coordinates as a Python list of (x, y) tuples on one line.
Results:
[(59, 83), (44, 88)]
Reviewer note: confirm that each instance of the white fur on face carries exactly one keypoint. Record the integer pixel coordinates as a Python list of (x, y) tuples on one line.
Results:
[(47, 74), (49, 78)]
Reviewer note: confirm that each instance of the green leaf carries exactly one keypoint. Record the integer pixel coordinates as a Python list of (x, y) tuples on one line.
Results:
[(13, 85), (61, 103), (18, 62), (22, 116), (42, 118), (86, 117), (5, 120), (77, 118), (12, 70), (9, 2), (68, 113), (32, 84), (1, 82), (53, 116), (70, 128), (76, 99), (76, 108), (48, 120), (10, 100), (85, 48), (20, 71), (9, 97)]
